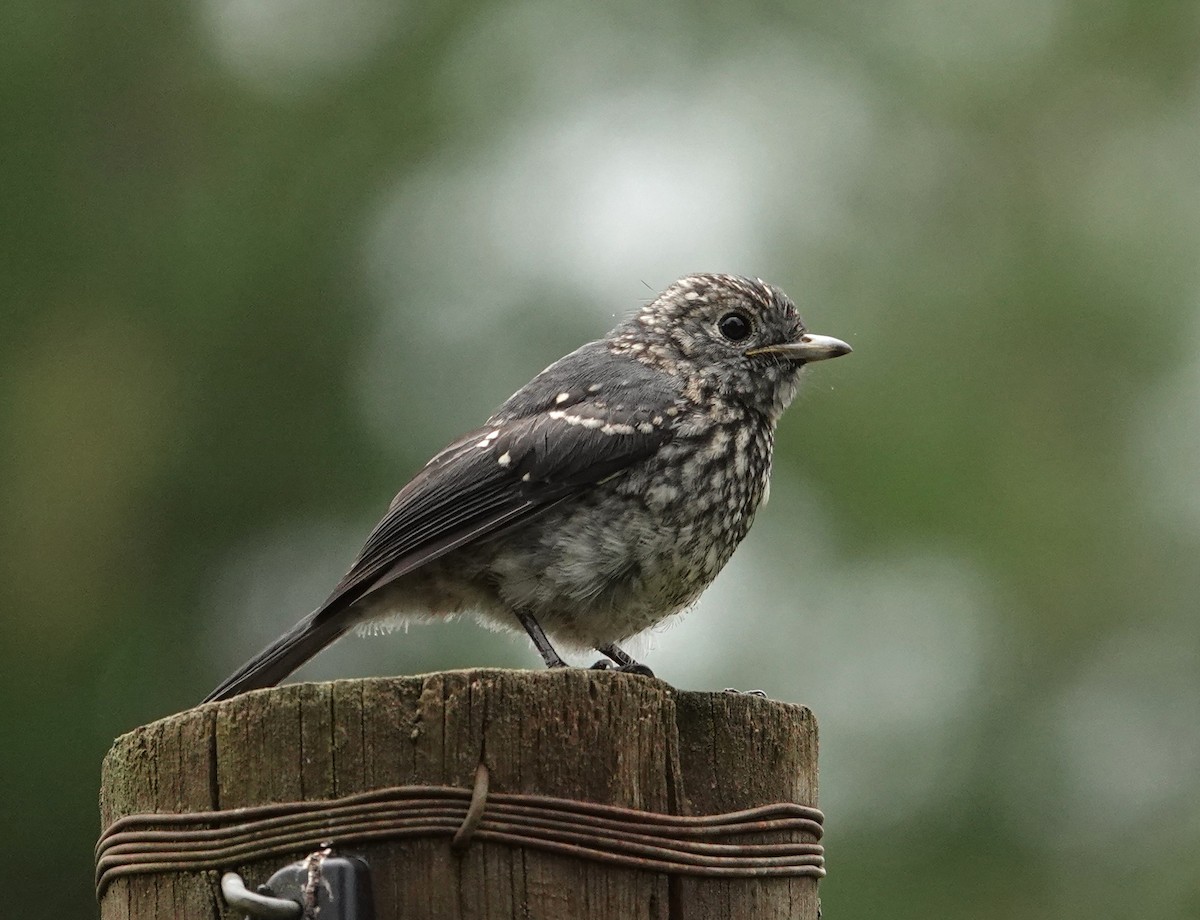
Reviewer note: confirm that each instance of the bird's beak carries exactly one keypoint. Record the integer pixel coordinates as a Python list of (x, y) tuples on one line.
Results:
[(810, 347)]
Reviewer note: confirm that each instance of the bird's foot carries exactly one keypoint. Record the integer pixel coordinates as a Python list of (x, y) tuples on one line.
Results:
[(633, 667), (625, 662), (761, 694)]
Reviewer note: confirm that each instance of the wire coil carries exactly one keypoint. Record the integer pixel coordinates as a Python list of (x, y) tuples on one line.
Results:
[(679, 844)]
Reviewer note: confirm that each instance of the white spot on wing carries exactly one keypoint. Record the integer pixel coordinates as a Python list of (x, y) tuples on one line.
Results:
[(616, 428), (504, 459), (562, 397), (581, 420)]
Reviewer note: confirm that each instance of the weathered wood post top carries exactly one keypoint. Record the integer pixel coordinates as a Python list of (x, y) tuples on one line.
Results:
[(601, 795)]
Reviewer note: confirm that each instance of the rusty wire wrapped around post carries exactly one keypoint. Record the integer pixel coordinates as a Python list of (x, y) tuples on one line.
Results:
[(149, 843), (709, 798)]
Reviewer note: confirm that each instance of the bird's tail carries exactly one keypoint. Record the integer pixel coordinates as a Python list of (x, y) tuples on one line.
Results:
[(283, 656)]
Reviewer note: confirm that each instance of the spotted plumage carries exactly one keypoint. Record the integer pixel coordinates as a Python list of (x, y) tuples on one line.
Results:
[(602, 497)]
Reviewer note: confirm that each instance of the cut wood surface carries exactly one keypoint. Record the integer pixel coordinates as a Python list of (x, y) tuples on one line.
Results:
[(596, 736)]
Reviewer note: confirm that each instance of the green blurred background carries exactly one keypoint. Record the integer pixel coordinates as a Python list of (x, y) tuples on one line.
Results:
[(260, 258)]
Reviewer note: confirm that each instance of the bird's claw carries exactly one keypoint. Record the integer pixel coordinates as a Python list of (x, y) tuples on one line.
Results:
[(761, 694), (640, 669), (633, 668)]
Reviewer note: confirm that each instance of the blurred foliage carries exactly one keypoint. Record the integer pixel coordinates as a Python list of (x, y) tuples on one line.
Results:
[(261, 258)]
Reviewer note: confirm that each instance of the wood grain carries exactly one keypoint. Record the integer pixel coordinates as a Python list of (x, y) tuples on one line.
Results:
[(597, 736)]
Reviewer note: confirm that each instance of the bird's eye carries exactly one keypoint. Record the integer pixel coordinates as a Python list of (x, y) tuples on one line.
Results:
[(734, 326)]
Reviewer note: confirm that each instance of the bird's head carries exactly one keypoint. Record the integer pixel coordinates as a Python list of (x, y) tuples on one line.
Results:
[(738, 337)]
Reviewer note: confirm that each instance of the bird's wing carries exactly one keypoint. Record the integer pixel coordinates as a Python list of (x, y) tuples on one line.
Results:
[(503, 474), (577, 423)]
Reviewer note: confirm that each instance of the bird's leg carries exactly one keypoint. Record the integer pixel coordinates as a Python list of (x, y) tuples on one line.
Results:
[(617, 654), (625, 661), (540, 642)]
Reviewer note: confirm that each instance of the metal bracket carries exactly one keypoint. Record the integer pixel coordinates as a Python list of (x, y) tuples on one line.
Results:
[(333, 887), (256, 905)]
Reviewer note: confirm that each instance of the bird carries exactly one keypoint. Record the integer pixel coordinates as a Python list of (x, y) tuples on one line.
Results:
[(601, 498)]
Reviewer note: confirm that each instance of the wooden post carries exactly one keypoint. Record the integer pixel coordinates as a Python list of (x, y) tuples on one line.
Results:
[(591, 735)]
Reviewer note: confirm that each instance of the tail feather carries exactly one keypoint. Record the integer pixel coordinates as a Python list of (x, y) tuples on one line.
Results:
[(283, 656)]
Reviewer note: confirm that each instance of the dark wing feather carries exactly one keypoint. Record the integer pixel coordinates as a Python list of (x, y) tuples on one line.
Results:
[(585, 418), (466, 494)]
